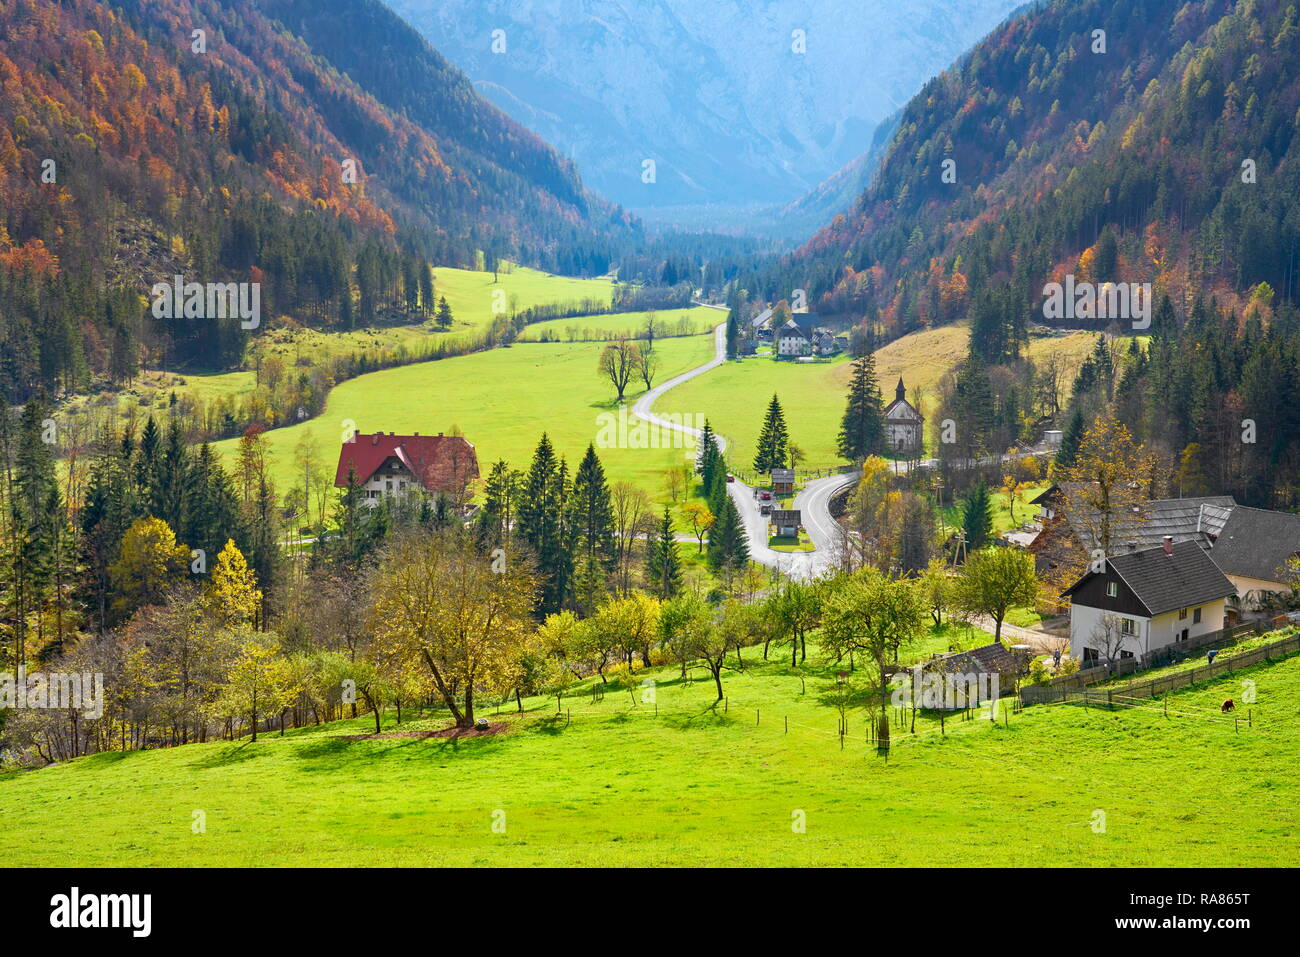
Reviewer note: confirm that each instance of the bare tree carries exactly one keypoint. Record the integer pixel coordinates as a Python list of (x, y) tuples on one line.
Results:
[(619, 361)]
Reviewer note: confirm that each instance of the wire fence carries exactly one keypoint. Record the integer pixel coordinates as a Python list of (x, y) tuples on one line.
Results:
[(1157, 685)]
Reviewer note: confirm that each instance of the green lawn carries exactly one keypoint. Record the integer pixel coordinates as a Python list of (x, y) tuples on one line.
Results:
[(621, 783), (671, 322), (502, 400), (813, 393)]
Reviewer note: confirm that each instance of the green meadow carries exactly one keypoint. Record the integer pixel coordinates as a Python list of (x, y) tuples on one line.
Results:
[(501, 399), (668, 322), (761, 779), (813, 394)]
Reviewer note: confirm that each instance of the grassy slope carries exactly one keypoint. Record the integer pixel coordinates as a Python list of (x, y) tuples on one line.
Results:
[(813, 394), (670, 322), (621, 786), (503, 400), (468, 293)]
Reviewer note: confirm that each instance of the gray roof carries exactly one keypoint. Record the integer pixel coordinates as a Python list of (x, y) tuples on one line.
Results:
[(1183, 519), (782, 475), (761, 319), (793, 328), (781, 516), (1165, 583), (994, 658), (1255, 543)]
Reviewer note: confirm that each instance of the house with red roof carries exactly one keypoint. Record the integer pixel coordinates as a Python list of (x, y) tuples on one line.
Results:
[(390, 464)]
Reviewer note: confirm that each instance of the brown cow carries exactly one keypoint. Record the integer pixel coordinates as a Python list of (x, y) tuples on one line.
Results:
[(1227, 706)]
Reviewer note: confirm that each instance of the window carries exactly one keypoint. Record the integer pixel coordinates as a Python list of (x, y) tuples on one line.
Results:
[(1196, 617), (1090, 656), (1112, 589), (1125, 654), (1182, 614), (1127, 626)]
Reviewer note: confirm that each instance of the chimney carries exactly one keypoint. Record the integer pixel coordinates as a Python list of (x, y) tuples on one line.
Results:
[(1169, 544), (416, 434), (439, 435), (374, 439)]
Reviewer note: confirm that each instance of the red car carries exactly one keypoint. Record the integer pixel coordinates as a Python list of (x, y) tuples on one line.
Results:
[(730, 477), (766, 496)]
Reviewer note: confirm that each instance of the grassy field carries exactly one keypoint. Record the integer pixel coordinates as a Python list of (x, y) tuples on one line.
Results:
[(812, 394), (1002, 521), (671, 322), (502, 400), (681, 782)]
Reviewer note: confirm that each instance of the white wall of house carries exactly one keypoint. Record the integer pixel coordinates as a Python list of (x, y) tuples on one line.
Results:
[(794, 346), (384, 483), (1147, 634), (1251, 588)]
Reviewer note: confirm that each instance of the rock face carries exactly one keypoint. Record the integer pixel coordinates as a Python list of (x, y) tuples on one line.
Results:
[(714, 92)]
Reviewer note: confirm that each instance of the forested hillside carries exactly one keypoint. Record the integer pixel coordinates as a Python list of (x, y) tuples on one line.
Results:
[(134, 148), (1161, 151)]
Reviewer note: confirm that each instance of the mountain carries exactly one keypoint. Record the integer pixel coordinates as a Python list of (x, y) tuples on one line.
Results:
[(142, 139), (713, 92), (1121, 165)]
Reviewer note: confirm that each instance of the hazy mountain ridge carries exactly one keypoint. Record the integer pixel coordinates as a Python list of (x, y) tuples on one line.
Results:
[(712, 92)]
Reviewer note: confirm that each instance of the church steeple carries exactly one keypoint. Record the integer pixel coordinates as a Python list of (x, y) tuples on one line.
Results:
[(900, 394)]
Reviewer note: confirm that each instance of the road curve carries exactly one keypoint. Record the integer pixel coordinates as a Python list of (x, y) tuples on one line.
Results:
[(813, 501)]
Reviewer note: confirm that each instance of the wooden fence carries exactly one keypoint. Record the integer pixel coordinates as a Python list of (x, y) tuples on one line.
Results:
[(1076, 691)]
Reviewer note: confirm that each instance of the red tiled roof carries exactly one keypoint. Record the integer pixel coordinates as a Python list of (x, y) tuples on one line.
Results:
[(442, 463)]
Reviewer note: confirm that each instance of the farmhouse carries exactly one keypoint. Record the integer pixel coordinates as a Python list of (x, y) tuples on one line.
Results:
[(1253, 549), (392, 464), (783, 481), (787, 522), (760, 327), (1146, 600), (903, 423), (1065, 531), (794, 340)]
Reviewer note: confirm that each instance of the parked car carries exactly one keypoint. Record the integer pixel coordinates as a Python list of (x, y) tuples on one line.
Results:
[(766, 496), (765, 510), (730, 477)]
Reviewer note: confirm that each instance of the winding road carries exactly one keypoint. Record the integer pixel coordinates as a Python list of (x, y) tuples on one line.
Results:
[(813, 501)]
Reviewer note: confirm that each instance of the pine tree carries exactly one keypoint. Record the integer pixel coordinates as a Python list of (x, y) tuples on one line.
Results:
[(773, 440), (977, 517), (663, 562), (728, 549), (862, 431), (1071, 439), (709, 458), (544, 523), (733, 332), (593, 516)]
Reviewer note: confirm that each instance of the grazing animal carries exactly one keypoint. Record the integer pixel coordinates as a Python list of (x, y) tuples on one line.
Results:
[(1227, 706)]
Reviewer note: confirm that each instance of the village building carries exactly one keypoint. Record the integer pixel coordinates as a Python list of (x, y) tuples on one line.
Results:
[(1064, 533), (783, 481), (1146, 600), (903, 424), (1254, 548), (794, 340), (760, 327), (967, 678), (390, 465), (786, 522)]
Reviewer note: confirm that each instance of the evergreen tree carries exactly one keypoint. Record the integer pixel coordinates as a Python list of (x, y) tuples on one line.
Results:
[(977, 517), (708, 459), (544, 526), (916, 537), (593, 516), (728, 548), (773, 440), (862, 430), (1071, 439), (663, 562)]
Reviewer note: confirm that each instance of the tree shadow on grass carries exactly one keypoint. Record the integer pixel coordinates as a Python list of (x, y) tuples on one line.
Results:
[(227, 755)]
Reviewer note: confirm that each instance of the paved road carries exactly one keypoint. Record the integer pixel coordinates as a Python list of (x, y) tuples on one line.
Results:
[(642, 408)]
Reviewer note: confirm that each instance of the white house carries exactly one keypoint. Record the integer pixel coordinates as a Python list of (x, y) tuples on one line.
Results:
[(1146, 600), (385, 465), (794, 340)]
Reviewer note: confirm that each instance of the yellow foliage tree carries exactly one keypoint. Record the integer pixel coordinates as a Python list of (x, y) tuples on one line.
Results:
[(233, 597), (149, 560)]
